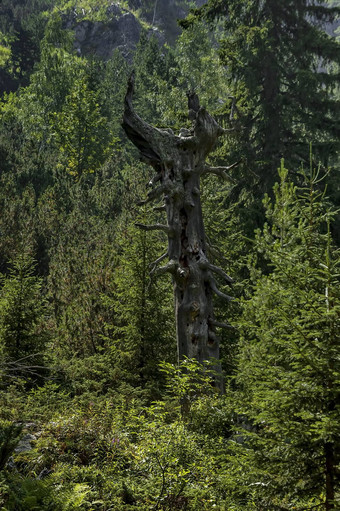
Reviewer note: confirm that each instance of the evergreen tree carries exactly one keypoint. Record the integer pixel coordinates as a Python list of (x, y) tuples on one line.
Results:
[(142, 329), (81, 264), (22, 24), (166, 74), (157, 72), (81, 131), (289, 369), (276, 53), (23, 317)]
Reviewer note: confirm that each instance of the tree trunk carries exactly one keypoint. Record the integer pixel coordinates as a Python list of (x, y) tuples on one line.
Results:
[(179, 163), (329, 473)]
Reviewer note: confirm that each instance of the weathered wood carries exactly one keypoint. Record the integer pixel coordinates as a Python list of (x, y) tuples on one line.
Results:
[(220, 171), (179, 163)]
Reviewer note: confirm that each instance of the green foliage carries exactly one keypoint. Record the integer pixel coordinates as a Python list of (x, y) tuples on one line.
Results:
[(164, 75), (5, 51), (80, 271), (122, 453), (81, 131), (141, 332), (114, 428), (200, 69), (83, 9), (21, 29), (288, 373), (156, 73), (275, 54), (187, 381), (23, 311), (9, 438)]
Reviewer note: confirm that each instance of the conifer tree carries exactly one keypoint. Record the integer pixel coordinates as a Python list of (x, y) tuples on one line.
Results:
[(289, 369), (276, 53), (23, 313), (141, 328)]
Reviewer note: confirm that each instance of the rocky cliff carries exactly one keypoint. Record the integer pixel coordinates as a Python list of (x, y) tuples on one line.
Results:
[(120, 27), (100, 38), (99, 27)]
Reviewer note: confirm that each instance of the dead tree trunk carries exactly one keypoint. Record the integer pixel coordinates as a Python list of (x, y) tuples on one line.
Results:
[(179, 162)]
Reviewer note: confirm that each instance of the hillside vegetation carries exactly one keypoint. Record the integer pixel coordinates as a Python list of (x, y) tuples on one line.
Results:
[(96, 412)]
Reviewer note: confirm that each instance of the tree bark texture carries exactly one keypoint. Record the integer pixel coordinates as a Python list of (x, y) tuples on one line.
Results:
[(329, 473), (179, 162)]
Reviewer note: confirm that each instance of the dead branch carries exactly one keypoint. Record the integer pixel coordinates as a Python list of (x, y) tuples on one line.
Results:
[(220, 171), (159, 208), (170, 267), (220, 272), (155, 194), (218, 292), (157, 177), (159, 260), (155, 227), (218, 324)]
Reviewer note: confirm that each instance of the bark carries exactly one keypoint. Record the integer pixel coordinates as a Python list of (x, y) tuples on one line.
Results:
[(179, 162), (329, 473)]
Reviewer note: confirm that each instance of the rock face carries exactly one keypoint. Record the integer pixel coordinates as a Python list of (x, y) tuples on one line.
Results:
[(101, 39), (24, 444), (122, 28)]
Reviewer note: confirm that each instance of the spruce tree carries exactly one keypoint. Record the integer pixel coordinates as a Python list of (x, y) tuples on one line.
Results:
[(141, 332), (288, 372), (277, 54), (23, 317)]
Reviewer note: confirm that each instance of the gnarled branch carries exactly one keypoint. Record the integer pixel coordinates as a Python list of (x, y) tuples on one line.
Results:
[(170, 267), (204, 264), (218, 324), (220, 171), (155, 227), (154, 194), (218, 292), (159, 260), (160, 208), (149, 140), (154, 179), (220, 272)]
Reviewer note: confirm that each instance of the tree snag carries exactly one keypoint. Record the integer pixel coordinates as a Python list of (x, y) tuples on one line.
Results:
[(179, 162)]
